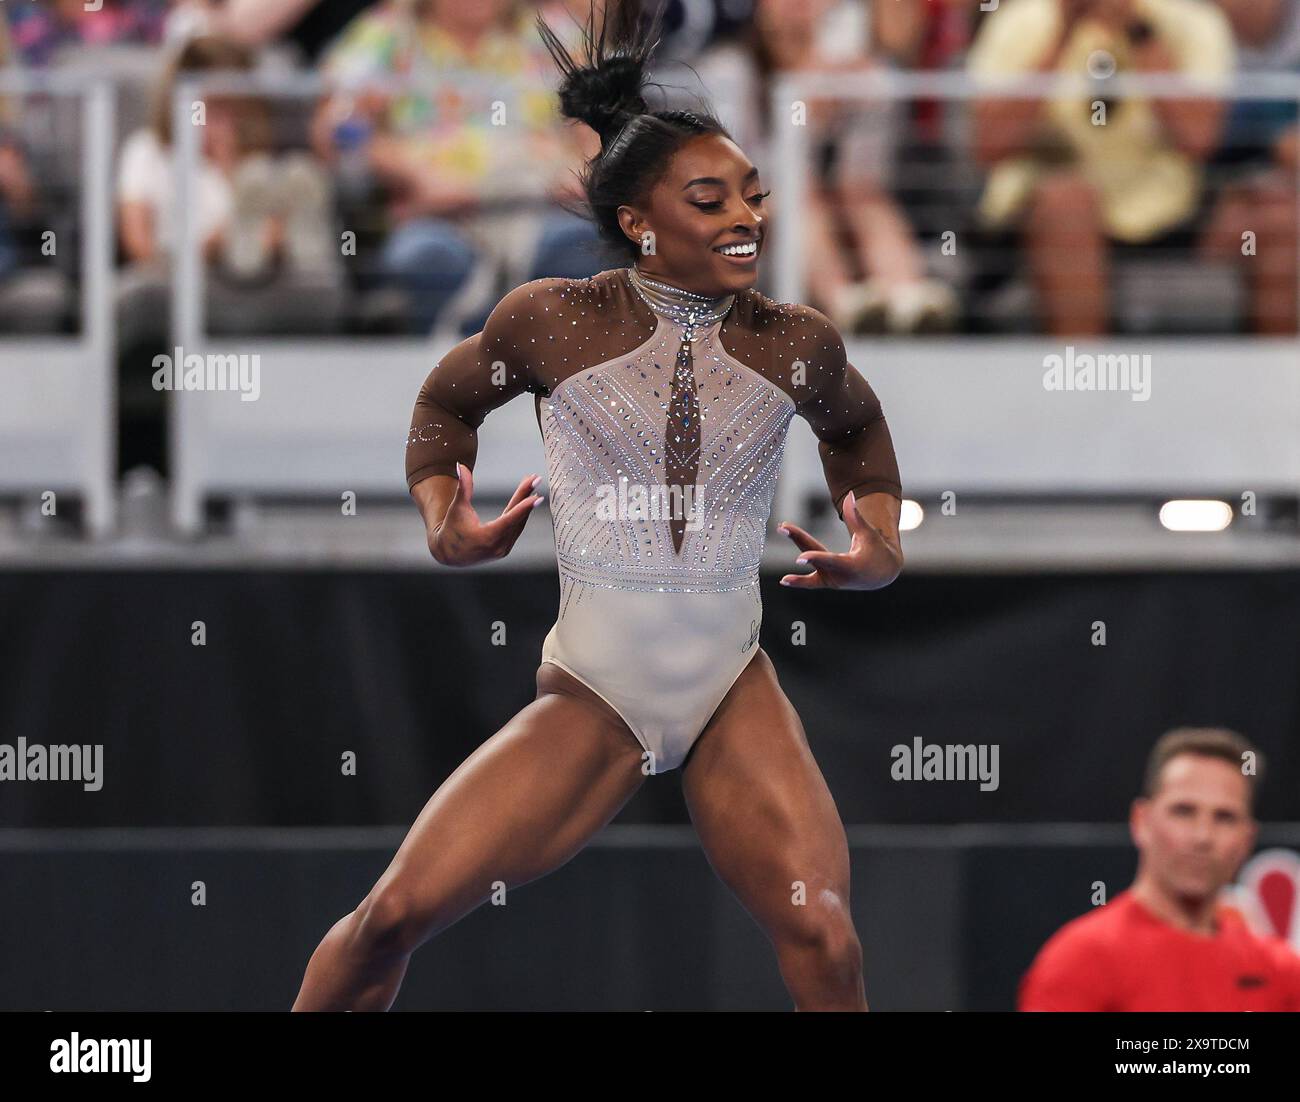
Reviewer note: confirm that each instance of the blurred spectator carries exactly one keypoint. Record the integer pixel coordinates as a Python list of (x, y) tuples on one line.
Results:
[(253, 24), (17, 195), (1079, 187), (264, 226), (309, 25), (930, 35), (145, 178), (474, 156), (866, 270), (1268, 33), (41, 28), (34, 294), (922, 34), (1169, 942), (1259, 156), (188, 19), (249, 211), (17, 200)]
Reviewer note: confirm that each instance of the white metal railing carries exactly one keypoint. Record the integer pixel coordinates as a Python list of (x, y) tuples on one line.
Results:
[(57, 393), (967, 414)]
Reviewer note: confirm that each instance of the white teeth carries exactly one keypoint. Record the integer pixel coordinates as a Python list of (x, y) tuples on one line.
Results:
[(739, 250)]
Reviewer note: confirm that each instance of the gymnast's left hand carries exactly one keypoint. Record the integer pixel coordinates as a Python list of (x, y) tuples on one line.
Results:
[(871, 561)]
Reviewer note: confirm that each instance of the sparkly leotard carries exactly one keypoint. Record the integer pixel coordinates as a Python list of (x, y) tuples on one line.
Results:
[(664, 420)]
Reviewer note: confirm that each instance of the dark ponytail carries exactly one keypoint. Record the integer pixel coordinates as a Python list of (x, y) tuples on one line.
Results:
[(604, 88)]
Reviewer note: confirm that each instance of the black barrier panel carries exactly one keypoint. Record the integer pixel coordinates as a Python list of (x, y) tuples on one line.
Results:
[(300, 668), (638, 921)]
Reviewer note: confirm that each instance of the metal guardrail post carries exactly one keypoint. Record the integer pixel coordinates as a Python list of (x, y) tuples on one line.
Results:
[(1297, 248), (185, 424), (789, 253), (98, 322)]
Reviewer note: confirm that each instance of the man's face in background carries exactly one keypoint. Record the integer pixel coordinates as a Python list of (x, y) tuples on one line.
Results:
[(1196, 830)]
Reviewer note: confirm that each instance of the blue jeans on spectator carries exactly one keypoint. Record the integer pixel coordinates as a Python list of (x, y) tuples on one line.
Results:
[(430, 259), (8, 248)]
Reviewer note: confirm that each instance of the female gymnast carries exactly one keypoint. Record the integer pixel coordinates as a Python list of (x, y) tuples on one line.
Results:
[(663, 392)]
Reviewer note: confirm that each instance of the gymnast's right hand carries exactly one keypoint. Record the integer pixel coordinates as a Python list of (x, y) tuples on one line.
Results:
[(461, 539)]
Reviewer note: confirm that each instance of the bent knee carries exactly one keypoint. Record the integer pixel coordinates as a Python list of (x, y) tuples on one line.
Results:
[(387, 922), (823, 928)]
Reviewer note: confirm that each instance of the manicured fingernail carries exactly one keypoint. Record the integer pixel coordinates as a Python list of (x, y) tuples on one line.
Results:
[(784, 582), (539, 501), (802, 562)]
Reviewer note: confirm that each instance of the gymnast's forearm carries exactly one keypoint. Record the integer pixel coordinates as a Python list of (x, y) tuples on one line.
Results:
[(433, 498), (885, 553), (884, 566)]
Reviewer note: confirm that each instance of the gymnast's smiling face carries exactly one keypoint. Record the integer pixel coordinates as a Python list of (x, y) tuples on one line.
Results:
[(708, 218)]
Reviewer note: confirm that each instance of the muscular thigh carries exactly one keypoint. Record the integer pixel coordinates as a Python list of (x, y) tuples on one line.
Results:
[(762, 809), (521, 805)]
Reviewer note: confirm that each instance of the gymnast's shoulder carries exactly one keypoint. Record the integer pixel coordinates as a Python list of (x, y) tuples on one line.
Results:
[(794, 325), (560, 296)]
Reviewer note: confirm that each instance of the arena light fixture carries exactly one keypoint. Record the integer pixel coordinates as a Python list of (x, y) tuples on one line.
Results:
[(1195, 516)]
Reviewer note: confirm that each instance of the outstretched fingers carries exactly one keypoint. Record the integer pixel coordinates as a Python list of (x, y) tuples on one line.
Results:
[(801, 539), (808, 547), (506, 529), (804, 581), (523, 490)]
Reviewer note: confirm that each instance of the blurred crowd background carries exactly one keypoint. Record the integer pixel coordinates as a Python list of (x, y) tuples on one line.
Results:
[(1068, 223)]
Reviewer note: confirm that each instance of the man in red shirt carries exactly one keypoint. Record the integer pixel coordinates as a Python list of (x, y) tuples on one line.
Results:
[(1167, 942)]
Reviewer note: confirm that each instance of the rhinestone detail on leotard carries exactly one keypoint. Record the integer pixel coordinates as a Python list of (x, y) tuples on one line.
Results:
[(608, 423), (694, 313)]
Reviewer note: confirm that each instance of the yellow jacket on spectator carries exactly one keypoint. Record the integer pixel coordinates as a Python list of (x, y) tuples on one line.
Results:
[(1146, 185)]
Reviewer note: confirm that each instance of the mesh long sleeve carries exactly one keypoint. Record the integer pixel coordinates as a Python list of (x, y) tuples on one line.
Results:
[(856, 449), (538, 335), (478, 375), (811, 364)]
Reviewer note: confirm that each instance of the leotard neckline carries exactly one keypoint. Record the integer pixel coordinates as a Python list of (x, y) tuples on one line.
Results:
[(689, 309)]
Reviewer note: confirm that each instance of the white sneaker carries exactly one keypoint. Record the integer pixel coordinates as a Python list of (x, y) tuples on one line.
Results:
[(927, 306), (860, 308), (306, 199), (245, 250)]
